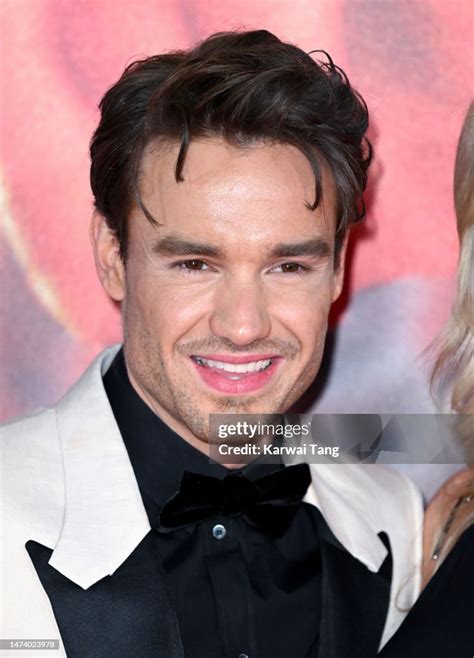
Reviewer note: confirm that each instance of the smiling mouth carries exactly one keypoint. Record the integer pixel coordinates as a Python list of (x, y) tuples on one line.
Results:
[(234, 371)]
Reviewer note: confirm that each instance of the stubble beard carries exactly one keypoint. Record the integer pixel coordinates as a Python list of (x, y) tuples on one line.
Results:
[(148, 366), (181, 404)]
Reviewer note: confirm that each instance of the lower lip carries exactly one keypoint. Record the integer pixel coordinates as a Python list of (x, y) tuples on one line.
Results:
[(221, 381)]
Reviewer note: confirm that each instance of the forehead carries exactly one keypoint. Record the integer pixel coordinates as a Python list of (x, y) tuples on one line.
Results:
[(252, 192)]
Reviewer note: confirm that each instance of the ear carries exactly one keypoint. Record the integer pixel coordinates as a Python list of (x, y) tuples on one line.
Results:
[(339, 268), (108, 262)]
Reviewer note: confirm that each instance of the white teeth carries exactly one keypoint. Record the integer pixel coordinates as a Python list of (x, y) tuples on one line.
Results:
[(252, 366)]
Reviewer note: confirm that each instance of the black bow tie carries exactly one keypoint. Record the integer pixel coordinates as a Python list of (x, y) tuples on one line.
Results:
[(268, 502)]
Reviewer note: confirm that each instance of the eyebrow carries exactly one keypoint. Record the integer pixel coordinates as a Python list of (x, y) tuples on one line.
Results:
[(172, 245), (316, 248)]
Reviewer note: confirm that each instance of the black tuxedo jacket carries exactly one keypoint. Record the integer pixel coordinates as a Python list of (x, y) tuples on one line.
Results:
[(129, 614)]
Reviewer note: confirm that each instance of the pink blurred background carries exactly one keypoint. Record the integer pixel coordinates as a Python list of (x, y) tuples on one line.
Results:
[(411, 60)]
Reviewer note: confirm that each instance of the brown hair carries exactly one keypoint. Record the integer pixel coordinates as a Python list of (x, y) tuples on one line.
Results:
[(245, 87)]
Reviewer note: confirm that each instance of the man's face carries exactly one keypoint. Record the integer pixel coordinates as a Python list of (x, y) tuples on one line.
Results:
[(225, 303)]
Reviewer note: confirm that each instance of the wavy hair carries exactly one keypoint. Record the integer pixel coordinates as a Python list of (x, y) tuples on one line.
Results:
[(245, 87), (454, 365)]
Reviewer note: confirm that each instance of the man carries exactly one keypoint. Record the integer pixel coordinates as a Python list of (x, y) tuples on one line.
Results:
[(225, 179)]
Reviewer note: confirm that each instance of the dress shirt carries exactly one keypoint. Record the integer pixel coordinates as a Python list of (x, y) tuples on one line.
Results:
[(237, 591)]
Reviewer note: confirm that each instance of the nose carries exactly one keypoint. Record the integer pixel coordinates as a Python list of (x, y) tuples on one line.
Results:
[(240, 312)]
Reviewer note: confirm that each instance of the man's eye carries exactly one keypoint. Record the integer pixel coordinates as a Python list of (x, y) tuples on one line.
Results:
[(291, 268), (192, 265)]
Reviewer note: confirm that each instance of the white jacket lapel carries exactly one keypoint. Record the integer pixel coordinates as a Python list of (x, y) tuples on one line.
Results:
[(105, 518)]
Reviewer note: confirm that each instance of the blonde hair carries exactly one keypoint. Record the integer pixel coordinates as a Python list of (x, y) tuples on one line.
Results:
[(454, 364)]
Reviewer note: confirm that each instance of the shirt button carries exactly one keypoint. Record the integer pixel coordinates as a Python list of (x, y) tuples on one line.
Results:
[(219, 531)]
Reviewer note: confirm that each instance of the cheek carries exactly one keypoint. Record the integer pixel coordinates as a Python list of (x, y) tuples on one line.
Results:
[(166, 311), (305, 315)]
